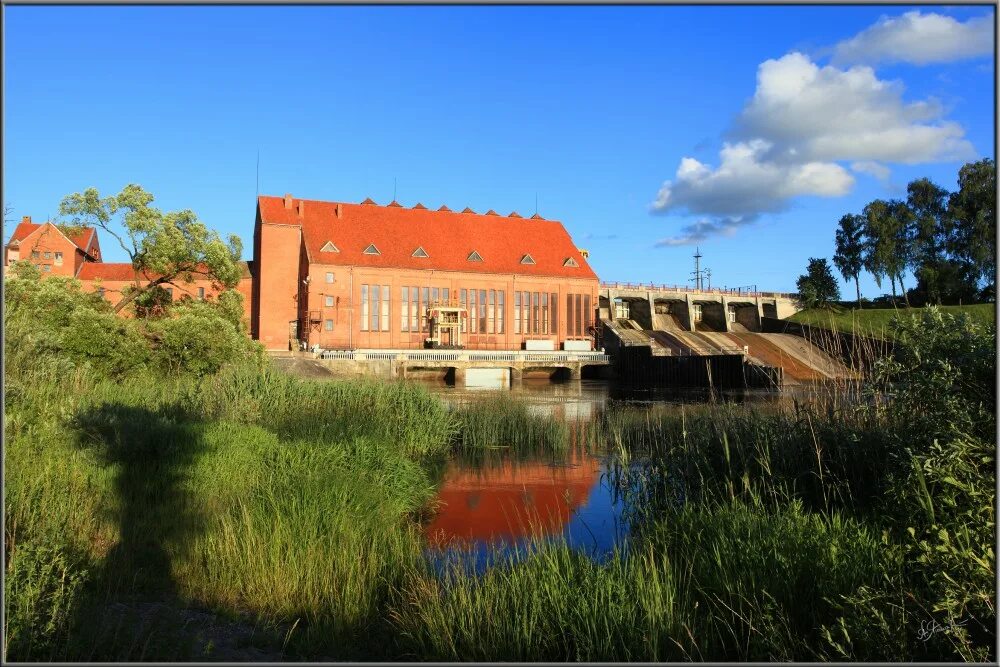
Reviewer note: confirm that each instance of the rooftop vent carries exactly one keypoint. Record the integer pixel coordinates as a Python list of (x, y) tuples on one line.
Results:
[(537, 217), (475, 257), (514, 214), (371, 250), (369, 202), (570, 262), (329, 247), (420, 252), (444, 208), (467, 210), (527, 259), (395, 204), (491, 212), (420, 206)]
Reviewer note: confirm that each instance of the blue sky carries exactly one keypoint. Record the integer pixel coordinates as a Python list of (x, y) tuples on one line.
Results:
[(592, 109)]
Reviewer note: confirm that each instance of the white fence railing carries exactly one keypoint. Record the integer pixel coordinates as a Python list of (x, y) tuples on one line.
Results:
[(452, 355)]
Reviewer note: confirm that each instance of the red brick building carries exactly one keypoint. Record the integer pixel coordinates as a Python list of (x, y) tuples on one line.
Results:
[(46, 246), (364, 276), (348, 276)]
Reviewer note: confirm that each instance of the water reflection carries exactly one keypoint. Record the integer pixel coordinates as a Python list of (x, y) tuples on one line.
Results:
[(492, 507)]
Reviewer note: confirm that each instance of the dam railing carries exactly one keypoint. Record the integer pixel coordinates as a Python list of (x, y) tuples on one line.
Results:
[(568, 356)]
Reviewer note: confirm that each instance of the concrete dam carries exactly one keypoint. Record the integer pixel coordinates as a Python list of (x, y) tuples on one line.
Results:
[(679, 336)]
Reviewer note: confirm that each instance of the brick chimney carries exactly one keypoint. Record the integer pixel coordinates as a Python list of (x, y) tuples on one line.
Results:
[(338, 211), (301, 208), (26, 218), (288, 201)]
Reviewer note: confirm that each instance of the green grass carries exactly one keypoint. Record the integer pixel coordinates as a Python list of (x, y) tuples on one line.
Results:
[(876, 321), (828, 529)]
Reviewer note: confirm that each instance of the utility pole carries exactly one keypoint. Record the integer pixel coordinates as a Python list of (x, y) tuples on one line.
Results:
[(697, 269)]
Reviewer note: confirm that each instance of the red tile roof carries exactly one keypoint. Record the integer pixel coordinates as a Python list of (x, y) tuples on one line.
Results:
[(123, 271), (82, 239), (447, 237)]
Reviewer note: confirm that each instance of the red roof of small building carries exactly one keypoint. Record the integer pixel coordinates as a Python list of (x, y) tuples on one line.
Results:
[(447, 237), (82, 239), (123, 271)]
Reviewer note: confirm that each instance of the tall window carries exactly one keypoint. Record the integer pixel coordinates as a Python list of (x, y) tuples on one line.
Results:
[(463, 302), (425, 295), (329, 277), (473, 311), (570, 322), (545, 312), (328, 325), (385, 307), (405, 310), (517, 312), (482, 311), (374, 308), (534, 312), (579, 314), (525, 312), (492, 313), (364, 307), (329, 301), (59, 257), (201, 292), (554, 309), (500, 309), (414, 310), (435, 295), (444, 293), (588, 314)]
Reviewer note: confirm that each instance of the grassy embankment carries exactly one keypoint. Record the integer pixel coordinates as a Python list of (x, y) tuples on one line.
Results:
[(877, 321), (801, 534)]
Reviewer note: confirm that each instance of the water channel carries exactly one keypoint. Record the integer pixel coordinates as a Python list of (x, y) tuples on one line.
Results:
[(494, 509)]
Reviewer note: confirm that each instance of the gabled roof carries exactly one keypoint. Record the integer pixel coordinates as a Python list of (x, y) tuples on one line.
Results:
[(447, 237), (83, 239)]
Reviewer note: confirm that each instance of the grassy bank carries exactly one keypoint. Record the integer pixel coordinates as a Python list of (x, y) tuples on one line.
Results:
[(877, 321), (833, 530)]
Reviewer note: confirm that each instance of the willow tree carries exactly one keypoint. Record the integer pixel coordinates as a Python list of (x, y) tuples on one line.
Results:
[(164, 248)]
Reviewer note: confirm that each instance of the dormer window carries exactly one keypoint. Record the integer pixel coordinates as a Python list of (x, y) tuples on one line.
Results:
[(527, 259), (420, 252), (329, 247), (371, 250), (475, 257), (570, 262)]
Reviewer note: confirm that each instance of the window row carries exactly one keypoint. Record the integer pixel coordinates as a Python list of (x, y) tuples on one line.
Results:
[(535, 313), (48, 255)]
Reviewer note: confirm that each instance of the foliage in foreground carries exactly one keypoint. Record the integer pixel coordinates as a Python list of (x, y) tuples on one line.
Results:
[(290, 505)]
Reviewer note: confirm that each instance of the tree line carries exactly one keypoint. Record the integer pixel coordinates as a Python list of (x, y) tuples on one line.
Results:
[(947, 239)]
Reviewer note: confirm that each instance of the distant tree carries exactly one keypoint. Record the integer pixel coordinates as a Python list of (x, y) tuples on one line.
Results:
[(902, 226), (877, 246), (929, 204), (817, 287), (849, 258), (972, 216), (164, 248)]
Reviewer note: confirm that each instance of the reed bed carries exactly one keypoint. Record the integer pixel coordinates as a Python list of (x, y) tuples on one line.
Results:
[(500, 422)]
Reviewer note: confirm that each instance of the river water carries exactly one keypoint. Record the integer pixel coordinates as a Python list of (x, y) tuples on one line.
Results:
[(493, 509)]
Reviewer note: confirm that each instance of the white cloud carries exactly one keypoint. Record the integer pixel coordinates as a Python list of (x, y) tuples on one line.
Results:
[(919, 39), (745, 185), (825, 113), (879, 171), (790, 138)]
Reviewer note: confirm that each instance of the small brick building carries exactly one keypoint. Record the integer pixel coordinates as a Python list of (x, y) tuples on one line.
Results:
[(364, 276)]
